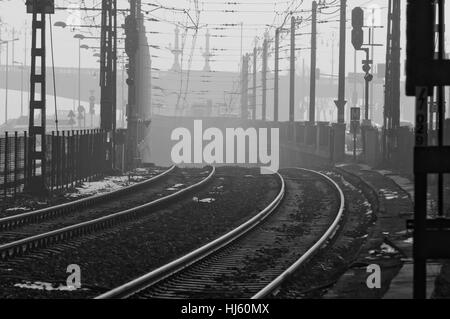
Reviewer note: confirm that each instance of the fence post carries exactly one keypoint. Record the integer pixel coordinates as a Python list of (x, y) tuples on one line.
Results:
[(5, 177), (77, 155), (91, 156), (64, 164), (53, 150), (25, 157), (72, 158), (58, 160), (16, 155)]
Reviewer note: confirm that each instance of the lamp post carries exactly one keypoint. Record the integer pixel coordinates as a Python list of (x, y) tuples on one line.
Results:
[(79, 37), (7, 75)]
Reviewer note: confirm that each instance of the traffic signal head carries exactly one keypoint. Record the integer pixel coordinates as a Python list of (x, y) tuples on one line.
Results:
[(420, 33), (366, 68), (358, 24), (358, 18)]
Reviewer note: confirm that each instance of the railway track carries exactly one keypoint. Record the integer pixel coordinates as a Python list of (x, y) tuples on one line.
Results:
[(40, 215), (255, 258), (39, 229)]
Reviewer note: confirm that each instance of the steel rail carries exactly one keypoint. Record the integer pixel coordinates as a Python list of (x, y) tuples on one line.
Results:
[(11, 222), (197, 255), (277, 282), (43, 240)]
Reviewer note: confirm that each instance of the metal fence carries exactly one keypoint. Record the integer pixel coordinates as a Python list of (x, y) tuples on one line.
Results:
[(72, 157)]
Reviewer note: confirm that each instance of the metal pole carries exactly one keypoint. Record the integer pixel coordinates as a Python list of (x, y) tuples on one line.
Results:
[(277, 66), (264, 82), (244, 88), (21, 90), (79, 73), (25, 50), (6, 83), (372, 30), (441, 103), (242, 39), (341, 102), (367, 91), (312, 93), (292, 73), (255, 59)]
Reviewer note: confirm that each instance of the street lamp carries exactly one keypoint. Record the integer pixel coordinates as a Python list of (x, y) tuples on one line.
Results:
[(73, 26), (6, 75), (79, 37)]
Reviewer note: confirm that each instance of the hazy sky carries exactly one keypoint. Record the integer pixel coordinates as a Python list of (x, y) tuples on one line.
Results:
[(256, 16)]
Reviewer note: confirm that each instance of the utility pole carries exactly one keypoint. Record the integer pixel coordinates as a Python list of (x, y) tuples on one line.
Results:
[(312, 93), (108, 73), (36, 178), (255, 59), (264, 82), (292, 73), (207, 54), (244, 87), (277, 79), (7, 81), (242, 39), (392, 83), (131, 48), (341, 102)]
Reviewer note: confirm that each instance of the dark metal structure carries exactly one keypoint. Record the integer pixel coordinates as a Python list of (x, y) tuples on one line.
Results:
[(108, 70), (391, 121), (108, 73), (341, 102), (425, 70), (312, 92), (131, 49), (37, 145)]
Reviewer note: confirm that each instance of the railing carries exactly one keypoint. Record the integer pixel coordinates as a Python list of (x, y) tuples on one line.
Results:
[(72, 157)]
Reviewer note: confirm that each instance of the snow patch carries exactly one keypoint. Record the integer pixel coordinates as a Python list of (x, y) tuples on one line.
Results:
[(39, 285)]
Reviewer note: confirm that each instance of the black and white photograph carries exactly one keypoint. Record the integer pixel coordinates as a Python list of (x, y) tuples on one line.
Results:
[(228, 156)]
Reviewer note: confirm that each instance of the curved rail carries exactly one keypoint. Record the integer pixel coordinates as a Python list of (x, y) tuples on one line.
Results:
[(163, 272), (53, 211), (42, 240), (311, 251)]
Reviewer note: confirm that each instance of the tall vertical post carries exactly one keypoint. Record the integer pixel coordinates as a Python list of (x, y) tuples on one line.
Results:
[(79, 76), (108, 47), (255, 70), (131, 48), (391, 121), (312, 92), (441, 102), (277, 79), (37, 144), (292, 73), (244, 87), (264, 82), (341, 102), (207, 54), (7, 81)]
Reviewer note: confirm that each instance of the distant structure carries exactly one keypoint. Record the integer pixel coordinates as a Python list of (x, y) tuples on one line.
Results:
[(176, 51), (207, 54)]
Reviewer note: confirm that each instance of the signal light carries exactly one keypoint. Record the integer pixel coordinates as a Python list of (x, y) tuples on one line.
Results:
[(358, 24)]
